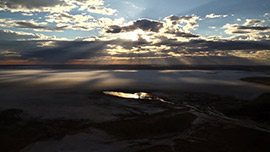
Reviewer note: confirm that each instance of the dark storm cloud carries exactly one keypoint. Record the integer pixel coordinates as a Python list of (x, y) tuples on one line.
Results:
[(155, 26), (146, 25), (18, 47), (237, 45), (93, 6), (64, 51), (128, 44), (23, 47), (29, 4), (182, 34), (177, 18), (240, 32), (114, 29), (68, 50), (30, 25), (204, 45), (256, 28), (143, 24)]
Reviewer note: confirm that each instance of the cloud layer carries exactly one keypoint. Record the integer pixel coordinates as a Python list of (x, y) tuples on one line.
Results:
[(116, 40)]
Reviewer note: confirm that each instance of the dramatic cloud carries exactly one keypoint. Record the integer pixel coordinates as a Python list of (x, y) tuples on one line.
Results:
[(143, 24), (101, 10), (258, 55), (17, 35), (67, 18), (35, 5), (53, 6), (121, 40), (252, 29), (35, 26), (186, 23), (250, 22), (173, 27), (23, 24), (75, 22), (9, 54), (124, 50)]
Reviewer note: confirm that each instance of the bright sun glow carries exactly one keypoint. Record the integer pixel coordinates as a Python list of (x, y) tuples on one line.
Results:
[(135, 35)]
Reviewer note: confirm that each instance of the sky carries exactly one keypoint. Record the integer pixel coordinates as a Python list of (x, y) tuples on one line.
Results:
[(171, 32)]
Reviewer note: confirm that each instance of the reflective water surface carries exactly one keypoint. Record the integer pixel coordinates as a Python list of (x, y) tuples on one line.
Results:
[(137, 95), (206, 81)]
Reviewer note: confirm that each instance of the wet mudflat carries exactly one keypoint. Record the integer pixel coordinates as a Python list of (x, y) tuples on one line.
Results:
[(260, 80), (35, 118), (185, 126)]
